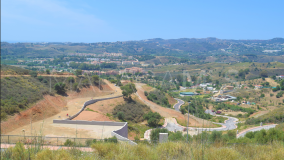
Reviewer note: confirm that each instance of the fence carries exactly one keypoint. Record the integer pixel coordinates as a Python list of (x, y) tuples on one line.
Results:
[(56, 141)]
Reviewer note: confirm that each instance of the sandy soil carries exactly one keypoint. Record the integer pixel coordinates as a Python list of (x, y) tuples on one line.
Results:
[(271, 82), (166, 112), (92, 116), (105, 107)]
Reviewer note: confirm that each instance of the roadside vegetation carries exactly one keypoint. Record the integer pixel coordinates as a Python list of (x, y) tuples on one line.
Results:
[(196, 107), (131, 110), (275, 116), (264, 145), (158, 97)]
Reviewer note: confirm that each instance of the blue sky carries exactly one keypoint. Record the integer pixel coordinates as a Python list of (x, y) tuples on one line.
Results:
[(110, 21)]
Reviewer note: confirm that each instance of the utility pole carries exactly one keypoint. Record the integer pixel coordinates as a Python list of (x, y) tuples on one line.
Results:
[(187, 122)]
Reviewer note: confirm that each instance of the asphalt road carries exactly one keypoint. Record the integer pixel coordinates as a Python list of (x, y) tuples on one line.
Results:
[(173, 127), (266, 127), (228, 125), (177, 106)]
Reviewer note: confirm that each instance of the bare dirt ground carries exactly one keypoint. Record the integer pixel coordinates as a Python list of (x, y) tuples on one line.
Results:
[(148, 88), (166, 112), (271, 82), (172, 101), (69, 105), (92, 116)]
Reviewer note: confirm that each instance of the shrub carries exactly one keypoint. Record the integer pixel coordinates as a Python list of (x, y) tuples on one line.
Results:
[(111, 139), (153, 118), (33, 73), (120, 115), (133, 111), (146, 93), (89, 142), (68, 142), (215, 136), (60, 87), (40, 78)]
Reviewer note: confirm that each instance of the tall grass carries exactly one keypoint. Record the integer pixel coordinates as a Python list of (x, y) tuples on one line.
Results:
[(169, 150)]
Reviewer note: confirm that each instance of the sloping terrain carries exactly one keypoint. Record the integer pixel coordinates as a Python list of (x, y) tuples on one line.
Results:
[(167, 112)]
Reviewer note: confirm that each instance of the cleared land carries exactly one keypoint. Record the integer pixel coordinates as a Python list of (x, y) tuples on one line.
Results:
[(46, 126)]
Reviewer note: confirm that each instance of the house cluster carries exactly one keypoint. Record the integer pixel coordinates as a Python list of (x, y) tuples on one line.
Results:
[(221, 98), (132, 70), (113, 54), (130, 62), (206, 86), (111, 72)]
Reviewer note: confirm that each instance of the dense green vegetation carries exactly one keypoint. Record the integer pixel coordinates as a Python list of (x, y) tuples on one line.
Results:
[(128, 89), (196, 107), (84, 66), (275, 116), (19, 92), (153, 118), (144, 150), (158, 97), (234, 108), (131, 111), (11, 70)]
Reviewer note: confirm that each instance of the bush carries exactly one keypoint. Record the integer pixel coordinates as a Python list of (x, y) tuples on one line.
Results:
[(153, 118), (89, 142), (158, 97), (132, 110), (120, 115), (68, 142), (215, 136), (33, 73), (60, 87), (146, 93), (111, 139), (40, 78)]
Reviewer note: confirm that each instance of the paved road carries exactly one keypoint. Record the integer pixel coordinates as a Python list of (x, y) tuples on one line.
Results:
[(172, 125), (177, 105), (228, 125), (266, 127)]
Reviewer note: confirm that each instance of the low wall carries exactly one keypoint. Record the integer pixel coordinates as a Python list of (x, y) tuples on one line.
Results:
[(106, 123), (121, 134)]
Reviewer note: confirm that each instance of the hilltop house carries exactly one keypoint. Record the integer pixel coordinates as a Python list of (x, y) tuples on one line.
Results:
[(280, 77)]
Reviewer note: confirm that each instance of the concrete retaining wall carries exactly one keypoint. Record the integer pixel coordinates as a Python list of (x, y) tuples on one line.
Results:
[(88, 103), (106, 123), (121, 134)]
